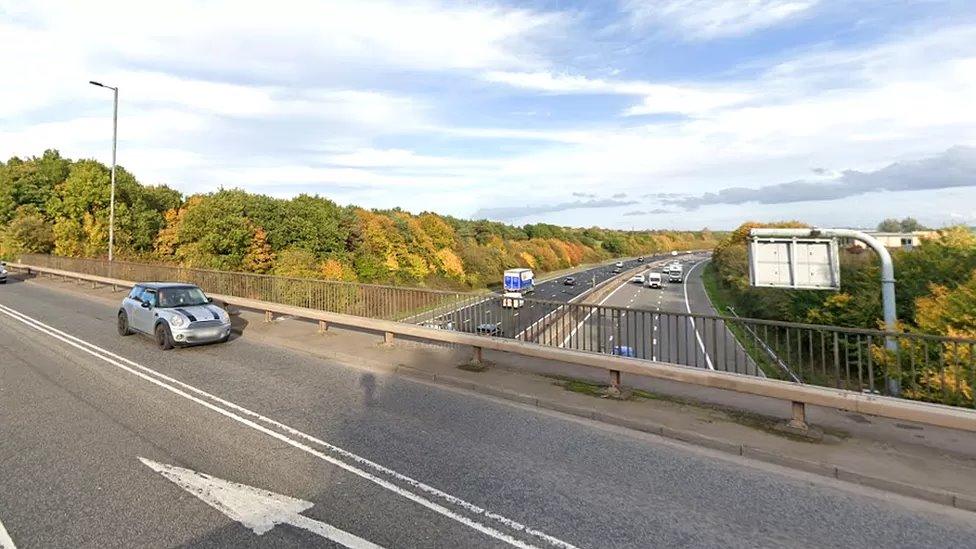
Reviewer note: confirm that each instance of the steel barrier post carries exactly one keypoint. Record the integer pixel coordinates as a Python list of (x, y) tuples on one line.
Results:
[(323, 326)]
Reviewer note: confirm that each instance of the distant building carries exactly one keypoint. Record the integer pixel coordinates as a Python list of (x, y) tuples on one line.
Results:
[(906, 240)]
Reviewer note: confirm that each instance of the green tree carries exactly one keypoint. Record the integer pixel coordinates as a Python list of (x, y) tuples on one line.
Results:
[(889, 225), (27, 232)]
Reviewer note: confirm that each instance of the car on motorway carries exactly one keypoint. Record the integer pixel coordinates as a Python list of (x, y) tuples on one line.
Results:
[(3, 273), (174, 314), (569, 281), (637, 279), (640, 259), (489, 328), (623, 350), (619, 264), (676, 274), (617, 270), (438, 324), (653, 280), (674, 252)]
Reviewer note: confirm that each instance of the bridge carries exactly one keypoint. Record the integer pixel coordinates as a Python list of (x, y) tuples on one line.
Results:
[(294, 433)]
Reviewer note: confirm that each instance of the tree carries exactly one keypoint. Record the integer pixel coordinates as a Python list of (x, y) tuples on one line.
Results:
[(259, 257), (28, 232), (890, 225), (298, 263), (910, 224), (906, 225)]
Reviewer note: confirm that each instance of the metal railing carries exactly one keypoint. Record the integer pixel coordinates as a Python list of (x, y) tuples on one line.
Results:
[(919, 367), (367, 300)]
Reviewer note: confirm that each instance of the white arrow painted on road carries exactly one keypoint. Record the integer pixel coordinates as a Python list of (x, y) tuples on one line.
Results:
[(259, 510), (5, 541)]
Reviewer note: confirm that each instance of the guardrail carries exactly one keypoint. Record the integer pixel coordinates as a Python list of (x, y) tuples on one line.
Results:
[(797, 394)]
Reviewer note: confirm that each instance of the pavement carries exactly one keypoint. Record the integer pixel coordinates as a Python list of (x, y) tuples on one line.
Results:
[(284, 437)]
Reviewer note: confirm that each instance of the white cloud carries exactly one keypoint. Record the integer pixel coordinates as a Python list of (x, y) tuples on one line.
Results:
[(657, 98), (710, 19)]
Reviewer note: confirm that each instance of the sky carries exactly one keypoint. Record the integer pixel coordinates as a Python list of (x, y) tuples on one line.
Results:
[(622, 113)]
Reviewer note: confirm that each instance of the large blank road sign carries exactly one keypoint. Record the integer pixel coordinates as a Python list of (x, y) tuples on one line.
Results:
[(798, 263)]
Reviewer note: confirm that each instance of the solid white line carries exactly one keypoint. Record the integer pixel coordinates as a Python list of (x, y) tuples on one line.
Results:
[(708, 361), (6, 542), (151, 376)]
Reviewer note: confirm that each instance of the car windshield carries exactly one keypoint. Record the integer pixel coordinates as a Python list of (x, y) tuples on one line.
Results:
[(186, 296)]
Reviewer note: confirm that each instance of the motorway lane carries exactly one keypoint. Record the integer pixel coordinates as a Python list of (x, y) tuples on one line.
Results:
[(523, 322), (598, 331), (74, 426), (651, 328)]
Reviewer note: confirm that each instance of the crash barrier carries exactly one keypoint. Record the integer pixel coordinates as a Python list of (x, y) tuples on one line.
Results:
[(843, 368)]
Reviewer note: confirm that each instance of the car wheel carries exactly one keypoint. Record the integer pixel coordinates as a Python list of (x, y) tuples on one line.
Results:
[(163, 339), (124, 324)]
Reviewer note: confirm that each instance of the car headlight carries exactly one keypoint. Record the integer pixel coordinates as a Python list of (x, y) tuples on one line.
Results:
[(176, 320)]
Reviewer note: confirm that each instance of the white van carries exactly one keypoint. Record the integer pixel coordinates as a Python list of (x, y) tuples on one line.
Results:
[(676, 274), (652, 280), (512, 300)]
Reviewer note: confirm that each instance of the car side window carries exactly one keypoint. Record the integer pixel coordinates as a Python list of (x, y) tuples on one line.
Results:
[(136, 293), (150, 296)]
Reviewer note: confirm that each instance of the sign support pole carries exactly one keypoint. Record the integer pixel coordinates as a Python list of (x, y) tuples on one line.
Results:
[(887, 272)]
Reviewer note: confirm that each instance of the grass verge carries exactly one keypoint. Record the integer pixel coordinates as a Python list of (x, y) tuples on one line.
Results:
[(721, 300)]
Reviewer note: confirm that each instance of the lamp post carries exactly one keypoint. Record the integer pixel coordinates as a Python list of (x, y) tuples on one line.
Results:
[(115, 132)]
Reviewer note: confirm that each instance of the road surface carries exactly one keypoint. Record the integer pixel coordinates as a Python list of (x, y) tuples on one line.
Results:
[(655, 324), (107, 442), (524, 322)]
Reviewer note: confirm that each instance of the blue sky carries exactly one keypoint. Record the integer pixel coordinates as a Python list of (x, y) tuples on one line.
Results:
[(627, 114)]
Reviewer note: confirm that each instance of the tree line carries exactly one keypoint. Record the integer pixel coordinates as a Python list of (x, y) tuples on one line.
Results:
[(51, 204), (939, 272)]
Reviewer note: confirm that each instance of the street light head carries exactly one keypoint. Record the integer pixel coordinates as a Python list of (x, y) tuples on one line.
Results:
[(96, 83)]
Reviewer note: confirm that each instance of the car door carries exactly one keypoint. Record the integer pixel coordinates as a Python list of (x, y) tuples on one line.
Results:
[(142, 316), (130, 304)]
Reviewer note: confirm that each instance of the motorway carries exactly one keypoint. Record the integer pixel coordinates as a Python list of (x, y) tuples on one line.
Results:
[(653, 323), (107, 442), (523, 322)]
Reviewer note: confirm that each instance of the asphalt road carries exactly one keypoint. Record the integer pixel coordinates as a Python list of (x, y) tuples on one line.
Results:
[(371, 458), (523, 322), (655, 323)]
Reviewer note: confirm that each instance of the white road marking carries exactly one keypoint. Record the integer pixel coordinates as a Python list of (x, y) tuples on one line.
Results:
[(6, 542), (589, 314), (183, 389), (708, 361), (256, 509)]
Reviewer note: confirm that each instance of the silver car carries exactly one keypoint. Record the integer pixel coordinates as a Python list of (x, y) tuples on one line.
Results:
[(173, 313), (3, 272)]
